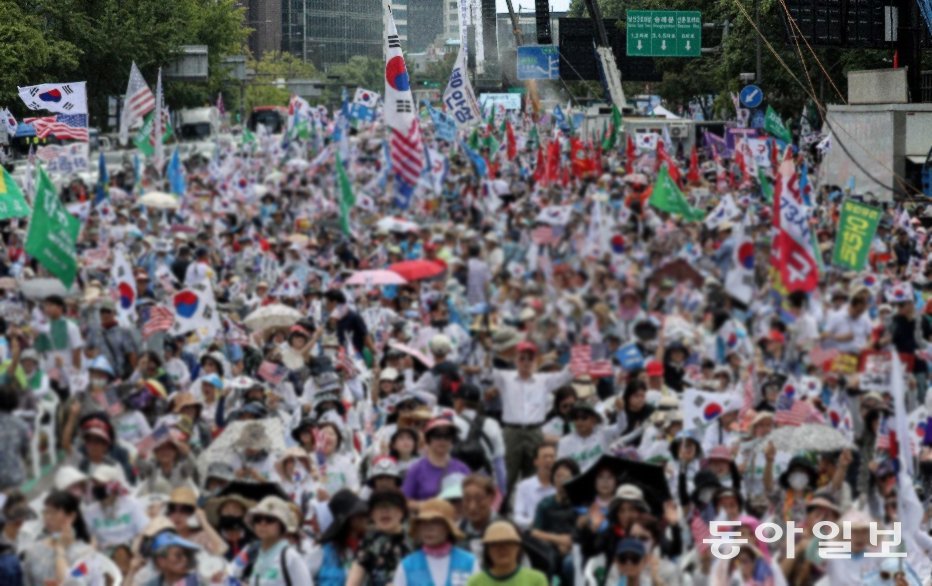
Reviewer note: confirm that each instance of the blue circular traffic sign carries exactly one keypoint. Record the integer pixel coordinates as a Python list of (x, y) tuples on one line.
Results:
[(751, 96)]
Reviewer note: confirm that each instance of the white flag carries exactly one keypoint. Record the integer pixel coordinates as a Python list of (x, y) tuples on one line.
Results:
[(555, 215), (9, 122), (458, 97), (726, 209), (367, 98), (157, 126), (124, 282), (64, 98), (646, 141), (196, 311), (701, 408), (739, 282)]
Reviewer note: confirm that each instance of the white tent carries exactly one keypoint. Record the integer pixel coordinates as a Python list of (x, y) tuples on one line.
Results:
[(661, 111)]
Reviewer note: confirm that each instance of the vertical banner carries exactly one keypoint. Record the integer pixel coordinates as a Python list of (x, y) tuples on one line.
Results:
[(856, 229)]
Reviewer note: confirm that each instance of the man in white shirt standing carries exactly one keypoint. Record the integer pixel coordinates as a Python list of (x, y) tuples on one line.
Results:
[(589, 439), (848, 330), (534, 489), (525, 396)]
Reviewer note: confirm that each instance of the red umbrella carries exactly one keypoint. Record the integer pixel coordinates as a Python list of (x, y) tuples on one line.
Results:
[(418, 270)]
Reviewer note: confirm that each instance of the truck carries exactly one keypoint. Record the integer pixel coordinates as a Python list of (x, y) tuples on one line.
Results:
[(198, 124)]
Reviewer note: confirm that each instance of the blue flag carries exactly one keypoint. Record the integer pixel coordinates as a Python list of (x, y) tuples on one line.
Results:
[(103, 179), (560, 117), (476, 159), (444, 125), (175, 174)]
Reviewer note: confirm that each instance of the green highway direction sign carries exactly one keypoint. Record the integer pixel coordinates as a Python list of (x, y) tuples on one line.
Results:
[(664, 33)]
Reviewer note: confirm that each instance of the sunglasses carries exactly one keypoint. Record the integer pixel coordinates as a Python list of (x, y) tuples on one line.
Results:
[(186, 509), (263, 519), (443, 436), (628, 558)]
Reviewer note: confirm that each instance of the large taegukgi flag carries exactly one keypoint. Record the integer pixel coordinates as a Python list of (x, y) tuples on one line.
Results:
[(405, 146)]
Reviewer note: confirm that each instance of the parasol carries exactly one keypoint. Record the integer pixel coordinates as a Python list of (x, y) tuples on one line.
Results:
[(427, 360), (679, 270), (418, 270), (648, 477), (376, 277), (272, 316), (810, 437), (41, 288), (396, 225), (159, 200), (264, 434)]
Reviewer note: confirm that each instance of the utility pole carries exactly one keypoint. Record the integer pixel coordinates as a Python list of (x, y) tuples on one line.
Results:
[(908, 40)]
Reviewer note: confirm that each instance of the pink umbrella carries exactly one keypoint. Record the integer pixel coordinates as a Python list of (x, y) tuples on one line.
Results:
[(418, 270), (376, 277), (427, 360)]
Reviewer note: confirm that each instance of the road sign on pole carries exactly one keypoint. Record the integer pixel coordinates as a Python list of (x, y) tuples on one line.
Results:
[(664, 33), (538, 62), (751, 96)]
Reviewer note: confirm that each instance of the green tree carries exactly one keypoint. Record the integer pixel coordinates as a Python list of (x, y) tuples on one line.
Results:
[(359, 71), (265, 89), (27, 54)]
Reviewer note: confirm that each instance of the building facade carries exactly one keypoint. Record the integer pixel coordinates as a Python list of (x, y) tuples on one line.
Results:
[(264, 17)]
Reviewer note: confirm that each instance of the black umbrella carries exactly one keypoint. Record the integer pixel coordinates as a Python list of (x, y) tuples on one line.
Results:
[(254, 491), (648, 477)]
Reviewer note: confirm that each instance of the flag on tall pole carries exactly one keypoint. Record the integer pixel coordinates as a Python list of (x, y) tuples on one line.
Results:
[(405, 145), (137, 102), (792, 246), (159, 151)]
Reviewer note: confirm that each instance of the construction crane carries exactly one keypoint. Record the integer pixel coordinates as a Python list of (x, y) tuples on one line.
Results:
[(603, 48), (519, 41)]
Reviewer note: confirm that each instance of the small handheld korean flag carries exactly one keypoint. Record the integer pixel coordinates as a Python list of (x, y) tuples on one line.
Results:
[(196, 311), (125, 284)]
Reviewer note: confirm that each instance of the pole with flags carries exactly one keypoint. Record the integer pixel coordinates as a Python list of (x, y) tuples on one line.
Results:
[(159, 154)]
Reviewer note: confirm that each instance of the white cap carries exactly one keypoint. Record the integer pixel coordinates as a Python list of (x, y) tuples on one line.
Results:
[(68, 476), (389, 374), (440, 344)]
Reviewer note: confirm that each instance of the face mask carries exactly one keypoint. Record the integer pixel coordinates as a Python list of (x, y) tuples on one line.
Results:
[(98, 382), (798, 480), (439, 323), (99, 493), (230, 522)]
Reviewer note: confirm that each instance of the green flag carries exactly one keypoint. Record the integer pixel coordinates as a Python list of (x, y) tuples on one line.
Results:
[(533, 139), (492, 144), (474, 139), (53, 232), (248, 137), (12, 202), (667, 197), (612, 138), (773, 124), (347, 198), (856, 228), (765, 187), (143, 138)]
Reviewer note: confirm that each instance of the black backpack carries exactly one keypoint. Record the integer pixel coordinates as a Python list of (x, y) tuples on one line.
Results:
[(471, 450)]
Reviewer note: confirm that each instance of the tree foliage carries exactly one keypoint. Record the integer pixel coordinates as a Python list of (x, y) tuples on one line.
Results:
[(265, 89), (97, 40), (359, 71)]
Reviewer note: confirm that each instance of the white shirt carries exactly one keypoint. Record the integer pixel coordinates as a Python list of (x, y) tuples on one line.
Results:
[(841, 323), (121, 524), (587, 450), (525, 401), (529, 493)]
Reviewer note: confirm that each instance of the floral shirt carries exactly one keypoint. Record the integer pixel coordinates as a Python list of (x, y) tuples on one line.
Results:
[(380, 554)]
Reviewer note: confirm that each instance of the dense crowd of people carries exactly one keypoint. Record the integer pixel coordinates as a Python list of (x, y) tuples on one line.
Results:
[(516, 380)]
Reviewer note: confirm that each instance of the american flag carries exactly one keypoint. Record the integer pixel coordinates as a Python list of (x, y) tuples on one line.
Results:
[(407, 153), (159, 434), (139, 99), (61, 126), (586, 359), (235, 333), (271, 372), (160, 319), (800, 412)]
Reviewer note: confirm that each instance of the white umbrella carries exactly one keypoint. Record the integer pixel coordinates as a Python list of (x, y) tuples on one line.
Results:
[(160, 200), (264, 434), (272, 316), (396, 225), (42, 288), (811, 437)]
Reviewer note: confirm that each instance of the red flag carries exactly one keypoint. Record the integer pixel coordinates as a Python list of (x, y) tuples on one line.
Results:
[(540, 169), (582, 164), (672, 168), (630, 152), (774, 155), (598, 159), (693, 175), (512, 143), (739, 160), (553, 161)]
